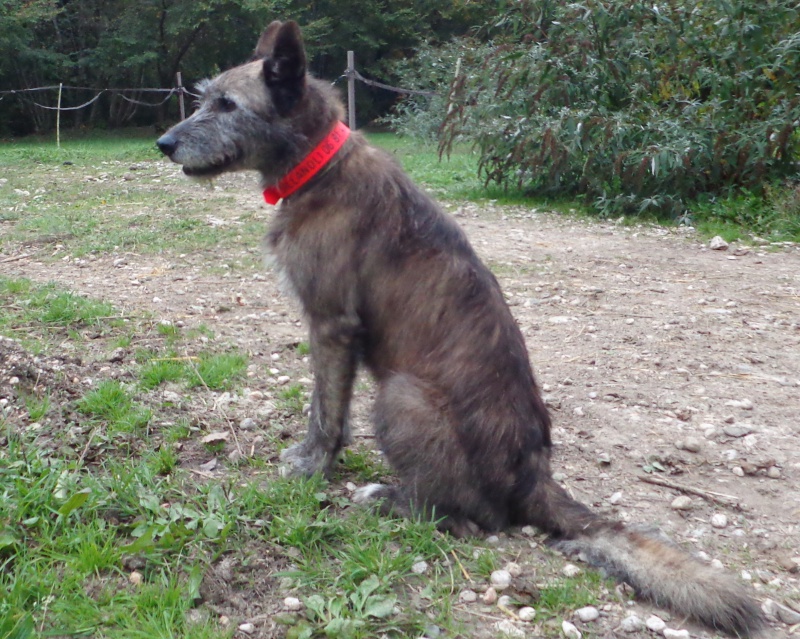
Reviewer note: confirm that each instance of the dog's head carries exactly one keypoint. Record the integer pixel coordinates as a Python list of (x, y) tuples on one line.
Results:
[(262, 115)]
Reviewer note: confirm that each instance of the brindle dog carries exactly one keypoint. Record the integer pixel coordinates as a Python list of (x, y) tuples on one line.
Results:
[(389, 281)]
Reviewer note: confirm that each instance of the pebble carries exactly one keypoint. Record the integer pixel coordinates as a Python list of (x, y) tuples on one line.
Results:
[(247, 628), (788, 616), (615, 499), (738, 471), (718, 244), (420, 568), (505, 601), (744, 404), (669, 633), (135, 578), (530, 531), (284, 379), (773, 472), (501, 579), (719, 520), (681, 503), (570, 570), (737, 430), (526, 613), (490, 596), (292, 603), (655, 623), (570, 630), (631, 624), (513, 569), (589, 613), (690, 444), (508, 629), (789, 564), (248, 423), (467, 596)]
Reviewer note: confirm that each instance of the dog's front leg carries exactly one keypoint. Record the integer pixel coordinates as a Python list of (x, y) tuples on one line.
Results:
[(334, 355)]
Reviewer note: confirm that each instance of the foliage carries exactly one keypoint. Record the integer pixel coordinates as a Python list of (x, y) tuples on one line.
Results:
[(143, 43), (636, 107)]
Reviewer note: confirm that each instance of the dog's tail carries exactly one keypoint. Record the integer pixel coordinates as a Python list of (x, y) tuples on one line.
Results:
[(646, 560)]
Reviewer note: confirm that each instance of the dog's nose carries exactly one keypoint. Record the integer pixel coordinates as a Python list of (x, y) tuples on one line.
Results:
[(167, 144)]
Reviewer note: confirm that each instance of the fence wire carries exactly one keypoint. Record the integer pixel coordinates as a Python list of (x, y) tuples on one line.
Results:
[(180, 91)]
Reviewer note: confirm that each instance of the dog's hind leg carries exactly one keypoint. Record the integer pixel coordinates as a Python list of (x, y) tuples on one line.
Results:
[(334, 354), (438, 481)]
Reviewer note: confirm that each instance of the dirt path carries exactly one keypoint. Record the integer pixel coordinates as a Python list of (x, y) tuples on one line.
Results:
[(659, 357)]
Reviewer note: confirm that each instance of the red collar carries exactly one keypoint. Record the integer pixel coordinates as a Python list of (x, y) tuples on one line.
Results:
[(309, 166)]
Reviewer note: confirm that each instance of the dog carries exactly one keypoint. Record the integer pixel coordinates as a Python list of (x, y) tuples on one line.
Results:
[(387, 280)]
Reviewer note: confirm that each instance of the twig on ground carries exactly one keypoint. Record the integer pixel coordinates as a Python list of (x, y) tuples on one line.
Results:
[(16, 258), (728, 500), (460, 565), (191, 359)]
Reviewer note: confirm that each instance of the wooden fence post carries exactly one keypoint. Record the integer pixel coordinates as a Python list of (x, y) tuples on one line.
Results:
[(58, 116), (351, 89), (180, 96)]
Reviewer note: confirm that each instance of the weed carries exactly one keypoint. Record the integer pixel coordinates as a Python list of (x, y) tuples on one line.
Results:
[(303, 349), (160, 370), (363, 464), (110, 402), (177, 431), (37, 405), (164, 461), (291, 399), (218, 372), (48, 304), (168, 330)]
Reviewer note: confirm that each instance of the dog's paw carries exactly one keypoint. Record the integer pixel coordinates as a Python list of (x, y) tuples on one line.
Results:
[(297, 462), (369, 493)]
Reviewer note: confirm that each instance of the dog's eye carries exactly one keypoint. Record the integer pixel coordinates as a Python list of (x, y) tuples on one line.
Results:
[(224, 103)]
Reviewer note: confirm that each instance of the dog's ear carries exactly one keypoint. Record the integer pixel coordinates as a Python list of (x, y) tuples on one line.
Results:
[(285, 65), (267, 41)]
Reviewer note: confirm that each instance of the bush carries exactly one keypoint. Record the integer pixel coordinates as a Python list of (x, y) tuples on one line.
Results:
[(638, 107)]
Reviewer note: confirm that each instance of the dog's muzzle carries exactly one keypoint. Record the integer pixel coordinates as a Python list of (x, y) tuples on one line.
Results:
[(167, 144)]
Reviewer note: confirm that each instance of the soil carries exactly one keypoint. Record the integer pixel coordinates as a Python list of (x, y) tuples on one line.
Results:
[(660, 358)]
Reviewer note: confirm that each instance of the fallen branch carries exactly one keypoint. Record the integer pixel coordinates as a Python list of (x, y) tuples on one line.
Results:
[(728, 500), (16, 258)]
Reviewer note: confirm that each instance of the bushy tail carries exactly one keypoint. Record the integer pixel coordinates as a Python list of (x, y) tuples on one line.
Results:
[(646, 560)]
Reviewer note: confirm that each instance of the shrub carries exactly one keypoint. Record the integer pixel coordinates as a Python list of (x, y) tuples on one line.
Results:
[(638, 107)]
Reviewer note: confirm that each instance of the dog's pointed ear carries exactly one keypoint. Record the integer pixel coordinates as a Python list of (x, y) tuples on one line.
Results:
[(267, 40), (285, 65)]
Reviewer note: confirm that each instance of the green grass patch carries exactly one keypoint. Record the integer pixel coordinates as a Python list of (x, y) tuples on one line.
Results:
[(291, 399), (111, 192), (113, 404), (50, 304), (773, 215), (362, 465), (455, 177), (62, 538), (218, 371), (160, 370)]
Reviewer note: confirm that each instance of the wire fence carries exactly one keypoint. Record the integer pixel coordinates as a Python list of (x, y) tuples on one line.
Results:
[(351, 73)]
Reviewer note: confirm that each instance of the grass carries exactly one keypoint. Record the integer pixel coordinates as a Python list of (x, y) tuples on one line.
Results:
[(112, 404), (111, 192), (104, 193), (48, 304), (291, 399)]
